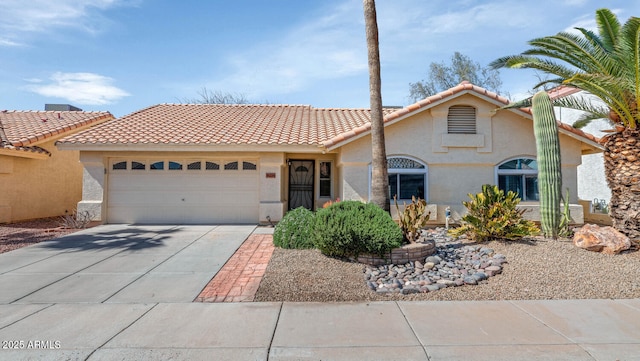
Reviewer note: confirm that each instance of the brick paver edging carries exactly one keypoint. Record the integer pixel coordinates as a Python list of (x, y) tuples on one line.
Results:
[(238, 280)]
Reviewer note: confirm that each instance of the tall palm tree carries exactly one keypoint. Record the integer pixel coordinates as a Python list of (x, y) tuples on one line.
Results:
[(607, 65), (379, 173)]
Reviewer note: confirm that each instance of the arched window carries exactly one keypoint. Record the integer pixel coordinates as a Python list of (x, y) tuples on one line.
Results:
[(407, 177), (519, 175), (461, 120)]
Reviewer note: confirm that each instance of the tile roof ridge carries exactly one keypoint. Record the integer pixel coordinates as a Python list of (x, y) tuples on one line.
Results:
[(231, 105), (31, 111)]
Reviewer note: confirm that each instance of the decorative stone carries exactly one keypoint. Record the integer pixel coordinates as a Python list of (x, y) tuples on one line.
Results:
[(452, 265), (470, 280), (606, 240)]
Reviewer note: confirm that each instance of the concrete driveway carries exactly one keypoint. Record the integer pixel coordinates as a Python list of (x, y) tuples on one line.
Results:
[(119, 264)]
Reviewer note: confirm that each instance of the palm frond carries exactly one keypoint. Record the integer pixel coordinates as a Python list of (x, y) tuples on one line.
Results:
[(573, 49), (586, 118), (608, 27), (610, 90), (522, 103)]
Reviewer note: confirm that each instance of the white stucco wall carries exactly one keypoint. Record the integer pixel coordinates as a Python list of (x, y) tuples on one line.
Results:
[(591, 178)]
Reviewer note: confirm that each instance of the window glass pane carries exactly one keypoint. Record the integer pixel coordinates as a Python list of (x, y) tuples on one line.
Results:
[(157, 165), (393, 186), (531, 184), (249, 166), (325, 170), (212, 166), (411, 185), (137, 165), (231, 166), (325, 188), (511, 183), (119, 166), (175, 165), (194, 166), (529, 164)]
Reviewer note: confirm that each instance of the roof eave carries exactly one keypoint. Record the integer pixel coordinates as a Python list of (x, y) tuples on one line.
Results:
[(21, 153), (285, 148)]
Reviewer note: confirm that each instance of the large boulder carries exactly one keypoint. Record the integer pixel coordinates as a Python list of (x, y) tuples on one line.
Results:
[(607, 239)]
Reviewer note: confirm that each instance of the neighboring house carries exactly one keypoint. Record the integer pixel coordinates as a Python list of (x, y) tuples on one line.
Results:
[(592, 184), (36, 179), (204, 163)]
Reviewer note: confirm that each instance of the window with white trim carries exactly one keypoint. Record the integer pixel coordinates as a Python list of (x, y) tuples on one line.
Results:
[(407, 178), (325, 180), (519, 175), (461, 120)]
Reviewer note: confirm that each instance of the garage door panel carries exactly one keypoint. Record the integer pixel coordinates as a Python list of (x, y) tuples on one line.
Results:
[(163, 197)]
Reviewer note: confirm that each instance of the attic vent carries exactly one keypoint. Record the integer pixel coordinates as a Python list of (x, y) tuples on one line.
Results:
[(461, 120)]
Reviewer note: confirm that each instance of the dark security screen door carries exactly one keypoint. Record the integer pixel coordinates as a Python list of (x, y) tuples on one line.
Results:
[(301, 184)]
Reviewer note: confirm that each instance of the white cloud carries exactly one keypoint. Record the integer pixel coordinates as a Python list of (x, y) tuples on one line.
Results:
[(326, 47), (21, 17), (496, 15), (79, 88)]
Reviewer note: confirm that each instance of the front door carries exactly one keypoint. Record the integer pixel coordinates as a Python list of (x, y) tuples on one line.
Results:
[(301, 183)]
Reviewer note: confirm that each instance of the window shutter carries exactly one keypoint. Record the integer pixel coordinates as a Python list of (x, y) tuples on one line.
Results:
[(461, 120)]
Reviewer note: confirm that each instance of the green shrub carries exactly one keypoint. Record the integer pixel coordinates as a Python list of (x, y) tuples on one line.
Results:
[(295, 230), (351, 228), (493, 215)]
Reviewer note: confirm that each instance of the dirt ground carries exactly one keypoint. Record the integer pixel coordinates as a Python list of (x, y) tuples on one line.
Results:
[(20, 234)]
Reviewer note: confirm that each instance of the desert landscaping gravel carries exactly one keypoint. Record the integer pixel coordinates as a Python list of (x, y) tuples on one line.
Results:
[(20, 234), (536, 268)]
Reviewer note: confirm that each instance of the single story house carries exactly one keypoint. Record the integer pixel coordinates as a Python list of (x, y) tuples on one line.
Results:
[(36, 179), (207, 163)]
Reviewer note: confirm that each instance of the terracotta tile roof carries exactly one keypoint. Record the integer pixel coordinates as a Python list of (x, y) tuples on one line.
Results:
[(253, 124), (193, 124), (465, 86), (23, 130)]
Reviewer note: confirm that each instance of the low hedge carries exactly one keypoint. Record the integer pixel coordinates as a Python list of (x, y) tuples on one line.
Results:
[(351, 228), (295, 230)]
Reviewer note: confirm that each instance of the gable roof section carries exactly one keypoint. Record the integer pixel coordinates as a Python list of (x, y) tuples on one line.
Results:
[(463, 88), (22, 131)]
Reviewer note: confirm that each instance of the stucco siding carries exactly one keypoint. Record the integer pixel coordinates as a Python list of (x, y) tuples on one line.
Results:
[(454, 170), (34, 188)]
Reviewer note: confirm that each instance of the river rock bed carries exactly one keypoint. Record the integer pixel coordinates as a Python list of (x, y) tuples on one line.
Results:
[(453, 265)]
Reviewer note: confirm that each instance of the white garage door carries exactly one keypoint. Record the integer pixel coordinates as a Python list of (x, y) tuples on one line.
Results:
[(182, 192)]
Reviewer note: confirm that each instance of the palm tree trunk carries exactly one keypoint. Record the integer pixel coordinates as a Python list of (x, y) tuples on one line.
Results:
[(379, 174), (622, 168)]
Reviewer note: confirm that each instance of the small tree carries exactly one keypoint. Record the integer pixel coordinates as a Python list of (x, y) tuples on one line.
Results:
[(444, 76), (216, 97)]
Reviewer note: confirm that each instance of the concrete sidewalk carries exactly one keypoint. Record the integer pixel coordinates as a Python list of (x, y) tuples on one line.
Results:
[(495, 330)]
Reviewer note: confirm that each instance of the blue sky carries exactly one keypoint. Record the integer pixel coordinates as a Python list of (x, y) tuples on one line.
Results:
[(125, 55)]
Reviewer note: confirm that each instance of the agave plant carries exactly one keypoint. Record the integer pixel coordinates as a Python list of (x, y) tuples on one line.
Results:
[(605, 64)]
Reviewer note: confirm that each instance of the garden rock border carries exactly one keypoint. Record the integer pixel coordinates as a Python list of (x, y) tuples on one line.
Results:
[(452, 265)]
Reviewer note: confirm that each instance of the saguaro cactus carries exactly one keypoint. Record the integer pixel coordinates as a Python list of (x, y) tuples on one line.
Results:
[(549, 166)]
